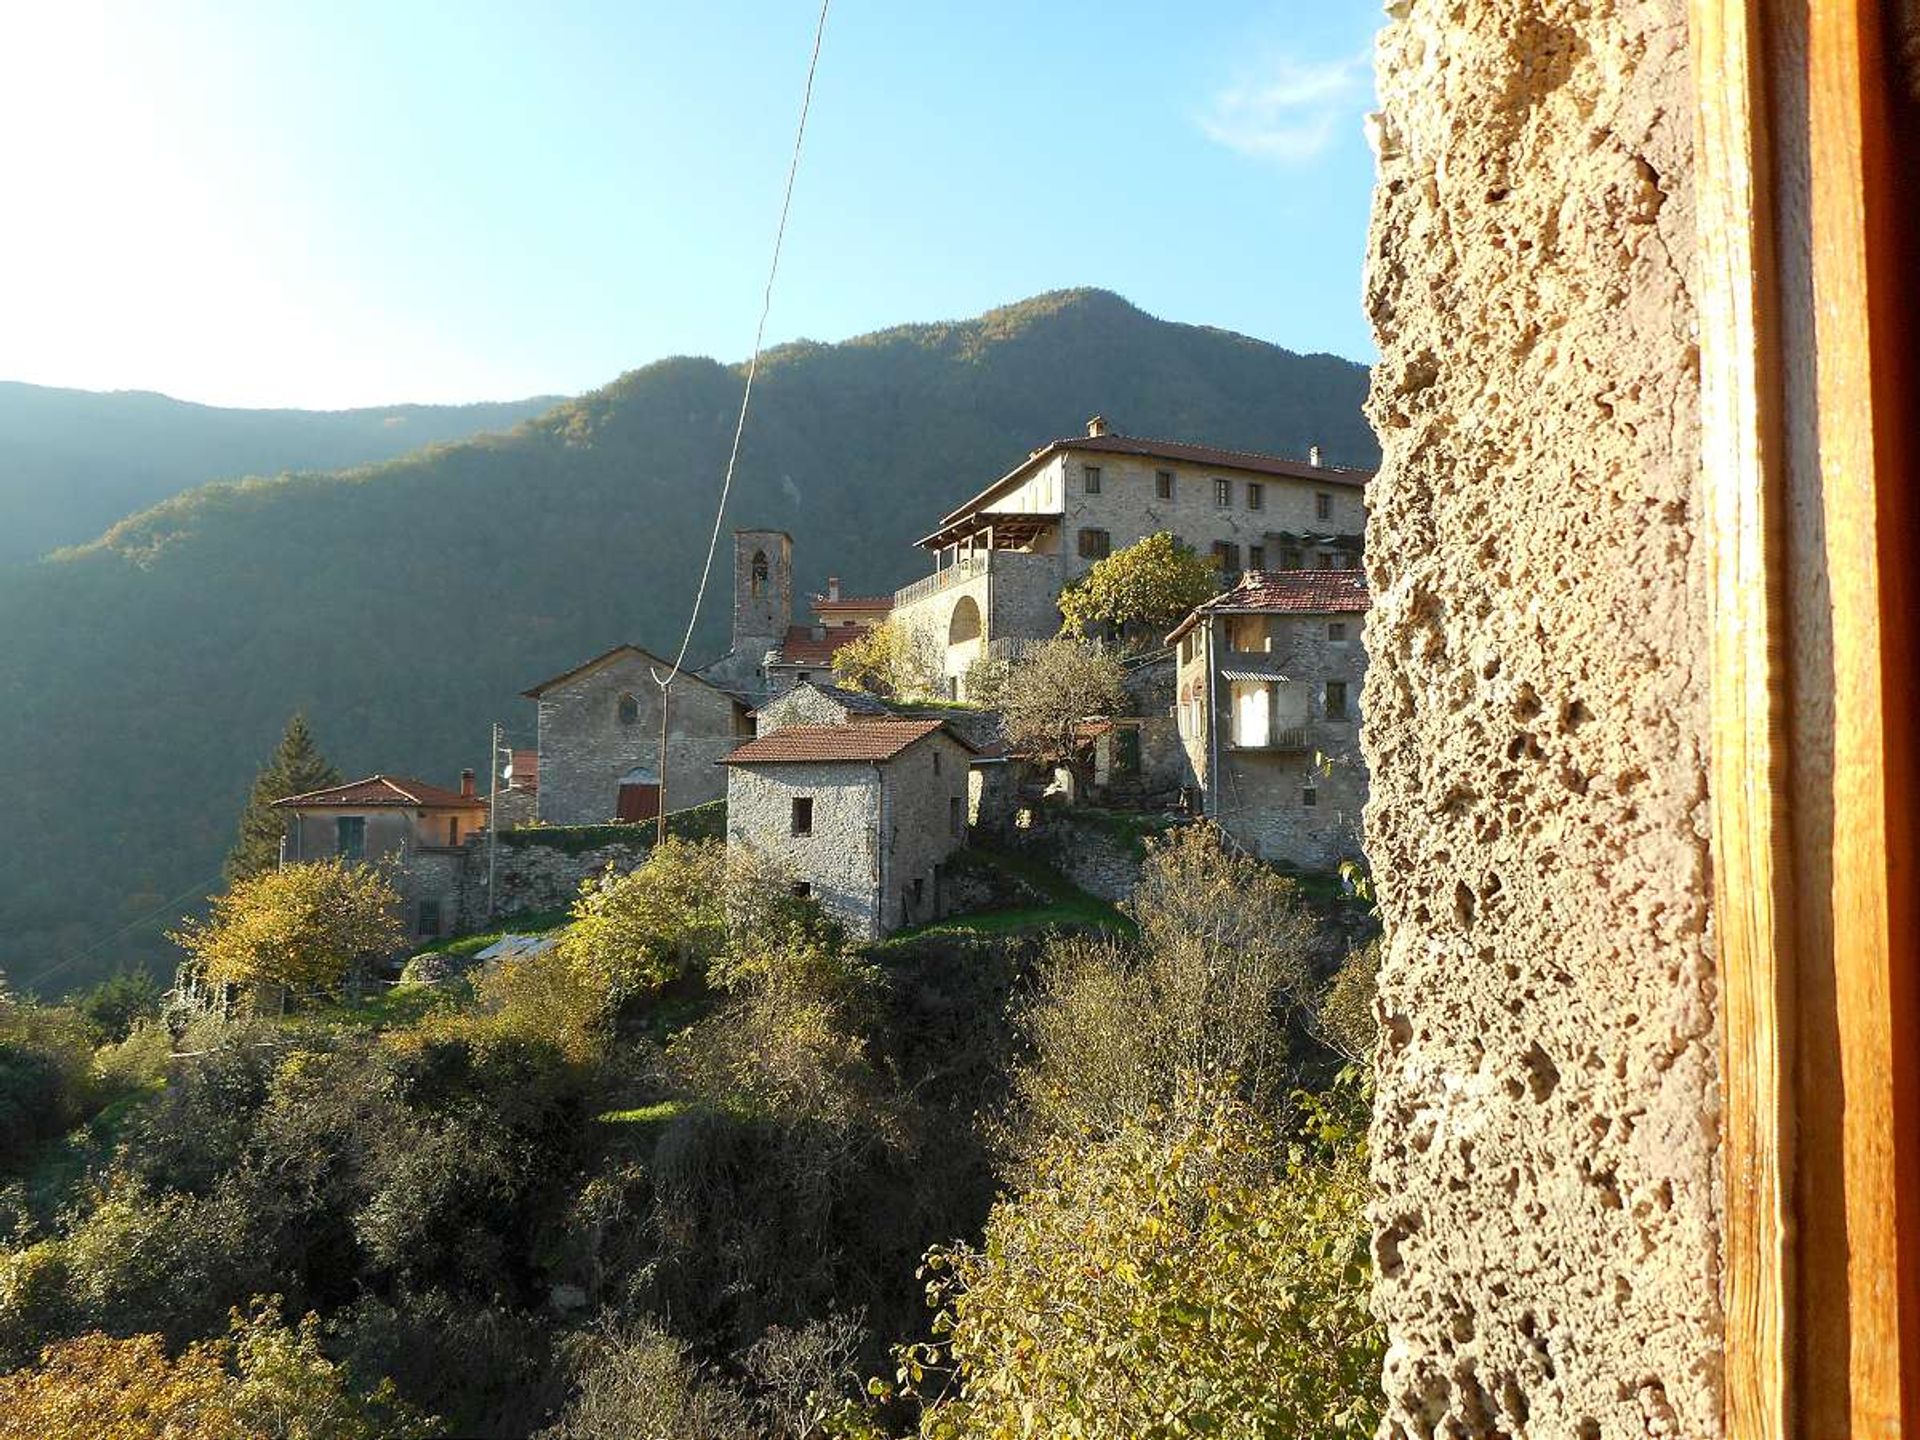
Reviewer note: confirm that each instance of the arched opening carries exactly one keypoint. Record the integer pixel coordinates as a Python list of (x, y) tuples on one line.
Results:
[(629, 710), (758, 572), (965, 624)]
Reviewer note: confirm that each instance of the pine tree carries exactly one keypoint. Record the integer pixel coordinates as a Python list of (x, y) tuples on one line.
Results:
[(296, 767)]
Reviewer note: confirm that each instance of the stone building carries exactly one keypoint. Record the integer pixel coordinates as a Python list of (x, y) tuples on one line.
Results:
[(814, 702), (1268, 707), (1002, 558), (599, 739), (421, 828), (770, 652), (864, 813)]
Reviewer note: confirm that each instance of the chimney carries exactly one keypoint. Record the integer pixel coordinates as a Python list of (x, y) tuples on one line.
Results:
[(833, 587), (466, 782), (1313, 456), (1096, 427)]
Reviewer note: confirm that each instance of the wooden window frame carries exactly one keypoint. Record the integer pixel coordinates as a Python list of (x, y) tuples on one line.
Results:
[(1163, 484), (1090, 479), (1808, 234)]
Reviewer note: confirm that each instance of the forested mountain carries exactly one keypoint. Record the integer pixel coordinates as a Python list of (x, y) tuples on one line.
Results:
[(74, 461), (403, 606)]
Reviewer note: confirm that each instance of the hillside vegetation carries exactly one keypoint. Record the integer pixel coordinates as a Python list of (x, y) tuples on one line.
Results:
[(403, 606), (72, 462), (705, 1170)]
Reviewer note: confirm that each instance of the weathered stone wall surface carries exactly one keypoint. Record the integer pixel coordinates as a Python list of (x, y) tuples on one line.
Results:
[(585, 747), (1546, 1124), (840, 859), (925, 804), (534, 878)]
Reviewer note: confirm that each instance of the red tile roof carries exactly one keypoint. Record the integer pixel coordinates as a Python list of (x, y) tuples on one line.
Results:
[(871, 741), (1277, 592), (800, 647), (378, 790)]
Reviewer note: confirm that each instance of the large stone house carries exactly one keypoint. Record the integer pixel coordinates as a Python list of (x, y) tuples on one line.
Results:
[(599, 739), (422, 829), (864, 811), (1268, 705), (1002, 558)]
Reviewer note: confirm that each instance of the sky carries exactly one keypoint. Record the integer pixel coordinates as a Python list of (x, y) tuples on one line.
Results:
[(263, 203)]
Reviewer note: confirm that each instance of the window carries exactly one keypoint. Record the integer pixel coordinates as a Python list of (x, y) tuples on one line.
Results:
[(1090, 479), (758, 583), (629, 710), (1336, 699), (1252, 713), (1256, 557), (919, 891), (1322, 506), (1290, 558), (1163, 484), (453, 830), (800, 889), (1336, 632), (1309, 797), (429, 922), (1256, 495), (350, 837), (1323, 560), (1226, 555), (803, 815), (1095, 544), (1223, 493), (1343, 561), (936, 760), (956, 817), (1248, 634)]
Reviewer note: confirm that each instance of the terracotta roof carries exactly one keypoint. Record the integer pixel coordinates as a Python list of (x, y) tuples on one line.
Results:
[(871, 741), (1179, 451), (378, 790), (663, 666), (1278, 592), (800, 647)]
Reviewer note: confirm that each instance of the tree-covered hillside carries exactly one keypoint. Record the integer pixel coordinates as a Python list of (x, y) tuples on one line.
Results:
[(72, 461), (402, 607)]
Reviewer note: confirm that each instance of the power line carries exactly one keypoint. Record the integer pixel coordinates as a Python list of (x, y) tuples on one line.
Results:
[(199, 887), (753, 365)]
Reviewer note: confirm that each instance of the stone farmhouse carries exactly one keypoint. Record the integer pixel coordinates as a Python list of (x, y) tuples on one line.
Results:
[(863, 810), (421, 828), (1002, 557), (1268, 709), (599, 739)]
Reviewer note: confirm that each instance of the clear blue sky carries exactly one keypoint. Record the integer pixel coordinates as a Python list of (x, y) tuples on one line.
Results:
[(269, 203)]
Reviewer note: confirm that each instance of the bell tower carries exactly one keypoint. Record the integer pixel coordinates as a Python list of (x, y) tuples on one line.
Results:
[(762, 588)]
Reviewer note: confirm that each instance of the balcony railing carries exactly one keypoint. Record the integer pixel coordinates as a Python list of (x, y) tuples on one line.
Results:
[(965, 568), (1281, 739)]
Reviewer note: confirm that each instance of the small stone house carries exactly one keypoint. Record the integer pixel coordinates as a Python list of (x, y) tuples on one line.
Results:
[(599, 739), (1268, 710), (813, 702), (864, 812), (421, 827)]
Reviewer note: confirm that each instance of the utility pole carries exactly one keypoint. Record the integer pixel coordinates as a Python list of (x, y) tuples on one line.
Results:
[(493, 798), (660, 820)]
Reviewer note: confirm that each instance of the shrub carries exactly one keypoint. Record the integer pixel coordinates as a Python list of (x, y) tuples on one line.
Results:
[(1171, 1281), (1141, 591), (301, 926), (46, 1074), (264, 1381), (639, 1383)]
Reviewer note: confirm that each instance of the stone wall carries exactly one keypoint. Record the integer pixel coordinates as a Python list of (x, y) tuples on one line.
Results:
[(840, 859), (532, 878), (585, 746), (924, 802), (1546, 1119)]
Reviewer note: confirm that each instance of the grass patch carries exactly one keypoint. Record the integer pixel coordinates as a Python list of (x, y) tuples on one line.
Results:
[(393, 1008), (1066, 906), (658, 1113)]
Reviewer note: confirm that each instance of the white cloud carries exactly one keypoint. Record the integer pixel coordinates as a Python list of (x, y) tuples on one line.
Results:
[(1294, 109)]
